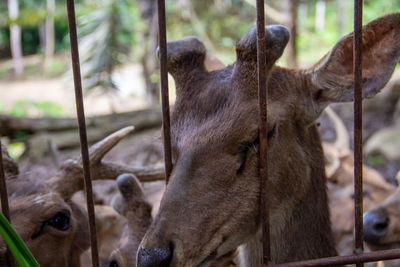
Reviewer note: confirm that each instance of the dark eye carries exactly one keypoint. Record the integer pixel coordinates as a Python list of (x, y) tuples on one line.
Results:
[(59, 221), (244, 148), (112, 263), (271, 133)]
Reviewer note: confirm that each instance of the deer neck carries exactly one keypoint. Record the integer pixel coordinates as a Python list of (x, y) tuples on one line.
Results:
[(303, 231)]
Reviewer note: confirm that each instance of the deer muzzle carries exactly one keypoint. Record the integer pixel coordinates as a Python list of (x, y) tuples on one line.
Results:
[(153, 257)]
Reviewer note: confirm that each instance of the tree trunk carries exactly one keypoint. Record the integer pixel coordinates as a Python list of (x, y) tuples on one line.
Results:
[(320, 15), (141, 119), (291, 49), (42, 35), (149, 43), (44, 134), (15, 38), (341, 17), (49, 47)]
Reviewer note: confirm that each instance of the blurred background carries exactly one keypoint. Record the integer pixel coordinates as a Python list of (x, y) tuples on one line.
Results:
[(117, 42)]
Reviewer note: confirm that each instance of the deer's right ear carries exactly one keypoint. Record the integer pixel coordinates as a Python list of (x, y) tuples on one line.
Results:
[(332, 77)]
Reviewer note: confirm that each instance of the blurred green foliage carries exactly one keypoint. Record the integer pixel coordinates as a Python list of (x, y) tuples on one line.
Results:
[(219, 23), (105, 41), (25, 108), (19, 250), (16, 149)]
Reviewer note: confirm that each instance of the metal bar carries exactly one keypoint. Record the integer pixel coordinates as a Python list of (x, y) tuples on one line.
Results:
[(82, 130), (162, 36), (262, 98), (4, 203), (350, 259), (358, 161)]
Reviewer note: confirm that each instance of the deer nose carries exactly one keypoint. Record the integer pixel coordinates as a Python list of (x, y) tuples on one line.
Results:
[(375, 227), (154, 257)]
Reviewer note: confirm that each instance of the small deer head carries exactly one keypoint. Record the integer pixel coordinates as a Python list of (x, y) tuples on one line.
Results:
[(53, 226), (382, 224)]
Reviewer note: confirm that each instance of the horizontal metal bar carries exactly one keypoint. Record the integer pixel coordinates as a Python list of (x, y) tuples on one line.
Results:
[(350, 259)]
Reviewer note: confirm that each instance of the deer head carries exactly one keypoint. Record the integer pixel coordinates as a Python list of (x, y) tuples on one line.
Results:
[(132, 204), (212, 202), (54, 226), (382, 224)]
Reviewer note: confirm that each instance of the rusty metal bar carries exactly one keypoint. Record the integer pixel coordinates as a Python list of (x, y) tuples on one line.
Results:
[(262, 98), (350, 259), (3, 189), (4, 203), (82, 130), (358, 161), (162, 36)]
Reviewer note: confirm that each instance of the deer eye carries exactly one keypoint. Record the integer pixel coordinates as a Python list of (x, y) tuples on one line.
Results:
[(271, 133), (59, 221), (244, 151), (244, 148), (112, 263)]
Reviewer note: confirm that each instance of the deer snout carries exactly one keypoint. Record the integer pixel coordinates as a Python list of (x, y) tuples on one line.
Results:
[(375, 227), (154, 257)]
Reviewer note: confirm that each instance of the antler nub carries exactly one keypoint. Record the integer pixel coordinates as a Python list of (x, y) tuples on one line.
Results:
[(132, 198), (276, 37), (129, 185), (185, 54)]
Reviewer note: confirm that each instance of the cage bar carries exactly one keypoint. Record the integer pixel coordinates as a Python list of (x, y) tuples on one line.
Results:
[(4, 203), (162, 36), (82, 130), (350, 259), (358, 161), (262, 117)]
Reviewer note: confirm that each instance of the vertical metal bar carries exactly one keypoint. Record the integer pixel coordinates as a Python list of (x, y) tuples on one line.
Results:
[(358, 186), (162, 36), (82, 130), (4, 202), (262, 98)]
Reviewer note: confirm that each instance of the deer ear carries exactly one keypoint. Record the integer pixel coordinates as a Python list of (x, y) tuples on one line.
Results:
[(332, 76)]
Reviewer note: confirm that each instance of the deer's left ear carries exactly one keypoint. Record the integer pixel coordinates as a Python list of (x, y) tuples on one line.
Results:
[(332, 77)]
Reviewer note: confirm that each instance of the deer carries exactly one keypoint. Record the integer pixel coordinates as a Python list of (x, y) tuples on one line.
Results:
[(382, 225), (132, 203), (44, 214), (211, 204), (339, 168)]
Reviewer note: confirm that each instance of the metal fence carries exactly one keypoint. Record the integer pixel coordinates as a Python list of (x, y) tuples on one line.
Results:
[(357, 258)]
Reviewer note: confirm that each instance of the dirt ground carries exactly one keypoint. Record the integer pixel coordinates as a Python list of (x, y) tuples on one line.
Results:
[(60, 91)]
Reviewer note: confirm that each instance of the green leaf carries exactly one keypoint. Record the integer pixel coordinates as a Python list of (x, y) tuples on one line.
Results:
[(17, 247)]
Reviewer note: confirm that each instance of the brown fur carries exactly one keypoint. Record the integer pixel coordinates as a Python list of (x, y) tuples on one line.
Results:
[(211, 204), (389, 208), (34, 203)]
